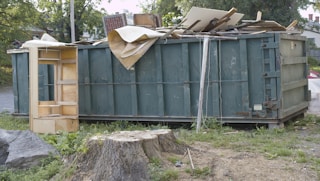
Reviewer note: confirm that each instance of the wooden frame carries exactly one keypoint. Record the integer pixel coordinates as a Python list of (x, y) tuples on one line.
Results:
[(60, 114)]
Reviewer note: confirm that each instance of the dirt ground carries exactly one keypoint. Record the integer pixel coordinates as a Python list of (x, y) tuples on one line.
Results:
[(229, 165)]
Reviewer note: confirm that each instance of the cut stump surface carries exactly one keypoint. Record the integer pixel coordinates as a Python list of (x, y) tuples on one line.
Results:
[(125, 155)]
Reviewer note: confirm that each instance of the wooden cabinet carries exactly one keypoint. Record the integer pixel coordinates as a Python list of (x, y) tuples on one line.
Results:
[(60, 113)]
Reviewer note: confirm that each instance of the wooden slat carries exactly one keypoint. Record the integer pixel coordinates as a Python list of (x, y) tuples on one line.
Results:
[(70, 103), (67, 82)]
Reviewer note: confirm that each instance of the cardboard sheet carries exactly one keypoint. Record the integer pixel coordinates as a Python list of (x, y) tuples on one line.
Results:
[(130, 43), (205, 15)]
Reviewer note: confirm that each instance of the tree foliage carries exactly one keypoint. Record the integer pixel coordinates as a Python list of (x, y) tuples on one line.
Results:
[(56, 18), (16, 18), (161, 7), (166, 8)]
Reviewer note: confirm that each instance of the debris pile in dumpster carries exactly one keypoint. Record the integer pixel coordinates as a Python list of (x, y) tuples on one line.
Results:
[(129, 43), (212, 22)]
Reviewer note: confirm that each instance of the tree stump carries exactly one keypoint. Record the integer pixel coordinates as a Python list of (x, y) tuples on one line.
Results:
[(124, 156)]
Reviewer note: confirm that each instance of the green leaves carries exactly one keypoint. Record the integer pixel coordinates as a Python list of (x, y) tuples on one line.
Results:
[(87, 18)]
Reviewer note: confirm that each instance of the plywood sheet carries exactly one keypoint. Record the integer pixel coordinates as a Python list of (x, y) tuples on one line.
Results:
[(69, 71), (205, 15), (48, 53), (68, 53), (69, 93), (69, 110), (45, 110), (52, 126)]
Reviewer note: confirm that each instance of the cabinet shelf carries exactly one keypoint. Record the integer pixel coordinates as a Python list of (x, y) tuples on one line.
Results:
[(48, 59), (60, 114)]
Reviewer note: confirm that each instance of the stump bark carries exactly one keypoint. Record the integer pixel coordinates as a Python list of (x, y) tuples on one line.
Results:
[(124, 156)]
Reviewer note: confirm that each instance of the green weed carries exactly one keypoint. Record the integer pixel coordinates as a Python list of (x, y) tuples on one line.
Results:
[(9, 122), (199, 172), (48, 168), (174, 160), (158, 173)]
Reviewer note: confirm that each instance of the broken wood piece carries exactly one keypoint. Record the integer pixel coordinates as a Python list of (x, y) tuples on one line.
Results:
[(190, 158), (264, 25), (211, 25), (244, 24), (172, 29), (292, 25), (258, 32), (259, 15), (224, 19), (216, 23), (192, 25)]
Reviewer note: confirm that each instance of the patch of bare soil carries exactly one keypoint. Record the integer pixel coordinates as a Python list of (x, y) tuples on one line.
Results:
[(215, 164), (226, 165)]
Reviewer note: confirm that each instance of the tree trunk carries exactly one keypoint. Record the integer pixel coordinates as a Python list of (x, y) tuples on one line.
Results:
[(125, 155)]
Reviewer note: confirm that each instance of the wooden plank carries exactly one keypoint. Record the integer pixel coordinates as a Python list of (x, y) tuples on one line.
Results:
[(47, 54), (70, 103), (48, 59), (50, 125), (69, 93), (33, 71), (44, 126), (259, 15), (68, 71), (68, 53), (58, 74), (47, 103), (292, 25), (69, 110), (46, 110), (70, 125), (224, 19), (67, 82)]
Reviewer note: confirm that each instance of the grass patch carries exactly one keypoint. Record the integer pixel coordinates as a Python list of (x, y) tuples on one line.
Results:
[(11, 123), (158, 173), (48, 168), (199, 172), (274, 144)]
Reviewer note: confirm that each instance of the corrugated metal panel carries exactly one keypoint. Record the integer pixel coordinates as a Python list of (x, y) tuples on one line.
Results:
[(257, 78), (20, 76)]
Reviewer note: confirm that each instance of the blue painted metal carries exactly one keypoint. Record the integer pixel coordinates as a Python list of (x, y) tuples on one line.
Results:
[(254, 79)]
